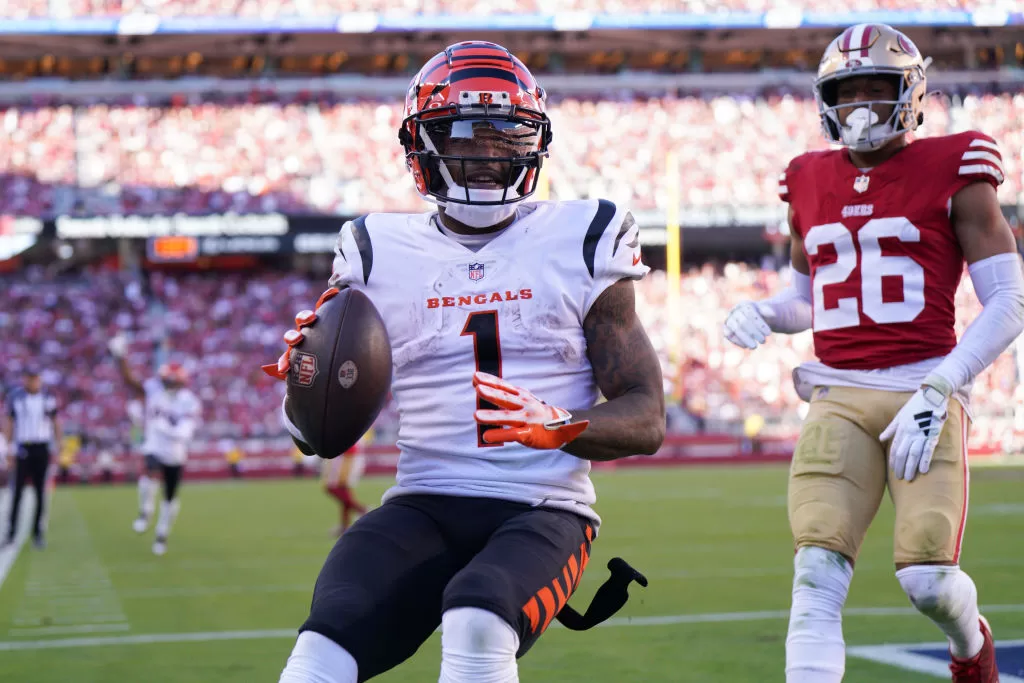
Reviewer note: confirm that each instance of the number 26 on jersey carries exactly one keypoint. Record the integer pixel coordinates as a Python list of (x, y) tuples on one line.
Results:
[(874, 266)]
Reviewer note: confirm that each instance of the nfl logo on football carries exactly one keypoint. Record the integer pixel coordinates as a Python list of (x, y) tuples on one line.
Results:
[(476, 271), (305, 369), (861, 183)]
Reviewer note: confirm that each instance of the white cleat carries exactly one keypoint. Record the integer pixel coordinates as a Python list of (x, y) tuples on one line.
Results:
[(159, 546), (140, 524)]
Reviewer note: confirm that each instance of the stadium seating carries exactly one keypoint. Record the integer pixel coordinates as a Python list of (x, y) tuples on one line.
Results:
[(224, 325), (268, 8), (323, 155)]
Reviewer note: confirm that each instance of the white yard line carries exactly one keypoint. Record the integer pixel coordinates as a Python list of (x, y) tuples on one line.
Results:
[(899, 656), (53, 598), (9, 553), (145, 639), (715, 617), (205, 591), (67, 630)]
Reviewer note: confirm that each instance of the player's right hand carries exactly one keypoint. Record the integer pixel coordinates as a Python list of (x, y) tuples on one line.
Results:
[(293, 338), (117, 345), (745, 325)]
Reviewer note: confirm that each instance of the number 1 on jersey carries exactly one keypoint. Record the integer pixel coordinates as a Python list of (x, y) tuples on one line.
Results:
[(483, 327)]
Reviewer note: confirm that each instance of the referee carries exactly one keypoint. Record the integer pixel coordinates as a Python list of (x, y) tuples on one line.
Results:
[(32, 426)]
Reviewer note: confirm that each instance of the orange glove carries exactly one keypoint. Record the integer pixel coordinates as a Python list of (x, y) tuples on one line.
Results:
[(524, 418), (293, 338)]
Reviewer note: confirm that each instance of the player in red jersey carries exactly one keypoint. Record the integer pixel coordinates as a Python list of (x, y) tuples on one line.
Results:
[(880, 232), (339, 477)]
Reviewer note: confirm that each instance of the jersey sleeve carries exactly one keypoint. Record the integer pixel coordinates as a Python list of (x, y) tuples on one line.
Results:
[(784, 185), (789, 179), (978, 159), (611, 250), (353, 256), (51, 406)]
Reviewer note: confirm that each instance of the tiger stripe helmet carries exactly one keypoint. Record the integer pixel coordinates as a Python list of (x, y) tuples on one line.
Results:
[(871, 50), (470, 84), (174, 373)]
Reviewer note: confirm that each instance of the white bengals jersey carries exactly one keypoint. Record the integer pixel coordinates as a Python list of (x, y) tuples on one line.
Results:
[(514, 308), (171, 418)]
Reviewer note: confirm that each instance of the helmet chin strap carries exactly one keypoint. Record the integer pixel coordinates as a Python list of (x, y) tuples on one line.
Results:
[(474, 215), (481, 217)]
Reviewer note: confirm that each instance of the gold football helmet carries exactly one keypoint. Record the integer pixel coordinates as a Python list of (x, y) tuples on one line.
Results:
[(871, 50)]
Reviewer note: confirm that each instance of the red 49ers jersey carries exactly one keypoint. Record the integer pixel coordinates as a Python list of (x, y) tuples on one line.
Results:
[(885, 261)]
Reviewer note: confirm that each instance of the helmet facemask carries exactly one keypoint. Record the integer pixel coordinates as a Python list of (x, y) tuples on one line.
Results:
[(865, 130), (477, 160)]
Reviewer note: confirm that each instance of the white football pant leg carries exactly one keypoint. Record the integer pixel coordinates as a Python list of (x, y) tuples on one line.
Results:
[(477, 646), (318, 659), (168, 513), (947, 596), (815, 652), (147, 495)]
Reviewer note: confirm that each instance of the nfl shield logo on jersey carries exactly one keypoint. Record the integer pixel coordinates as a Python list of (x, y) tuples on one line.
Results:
[(861, 183), (476, 271)]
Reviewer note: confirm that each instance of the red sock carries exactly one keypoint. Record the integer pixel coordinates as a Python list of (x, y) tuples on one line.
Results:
[(349, 501)]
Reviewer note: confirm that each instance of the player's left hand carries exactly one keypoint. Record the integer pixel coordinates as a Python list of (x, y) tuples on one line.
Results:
[(915, 432), (293, 338), (523, 417)]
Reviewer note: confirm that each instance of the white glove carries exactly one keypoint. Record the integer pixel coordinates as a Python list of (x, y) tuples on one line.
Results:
[(745, 325), (915, 432), (117, 346)]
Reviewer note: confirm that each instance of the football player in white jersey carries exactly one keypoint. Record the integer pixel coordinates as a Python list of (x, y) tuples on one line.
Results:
[(171, 415), (507, 319)]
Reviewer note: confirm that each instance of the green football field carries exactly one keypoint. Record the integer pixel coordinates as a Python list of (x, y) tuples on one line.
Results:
[(222, 605)]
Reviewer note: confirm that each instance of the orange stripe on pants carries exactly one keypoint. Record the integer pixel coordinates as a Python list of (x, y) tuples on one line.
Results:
[(553, 602), (532, 611), (548, 600)]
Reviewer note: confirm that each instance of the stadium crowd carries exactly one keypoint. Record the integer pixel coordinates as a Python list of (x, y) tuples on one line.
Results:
[(223, 325), (18, 9), (312, 153)]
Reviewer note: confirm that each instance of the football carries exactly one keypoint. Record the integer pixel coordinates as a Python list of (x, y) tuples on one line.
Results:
[(340, 374)]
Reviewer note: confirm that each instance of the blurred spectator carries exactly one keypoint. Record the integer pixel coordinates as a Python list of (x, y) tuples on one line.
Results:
[(263, 154), (224, 325), (13, 9)]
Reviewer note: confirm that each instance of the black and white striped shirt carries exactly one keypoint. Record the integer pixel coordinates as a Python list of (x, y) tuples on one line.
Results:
[(32, 415)]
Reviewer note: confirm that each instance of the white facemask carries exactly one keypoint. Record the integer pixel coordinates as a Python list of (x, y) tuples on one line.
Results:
[(862, 132), (481, 217)]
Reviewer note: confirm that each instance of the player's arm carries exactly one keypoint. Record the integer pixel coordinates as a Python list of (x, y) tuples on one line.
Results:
[(789, 311), (118, 346), (797, 255), (995, 269), (632, 419), (623, 361), (626, 369)]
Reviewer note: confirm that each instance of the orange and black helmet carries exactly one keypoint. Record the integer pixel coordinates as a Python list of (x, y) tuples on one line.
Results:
[(174, 373), (469, 86)]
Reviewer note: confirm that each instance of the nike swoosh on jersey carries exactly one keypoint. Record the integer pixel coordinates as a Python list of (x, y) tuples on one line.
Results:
[(636, 259)]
